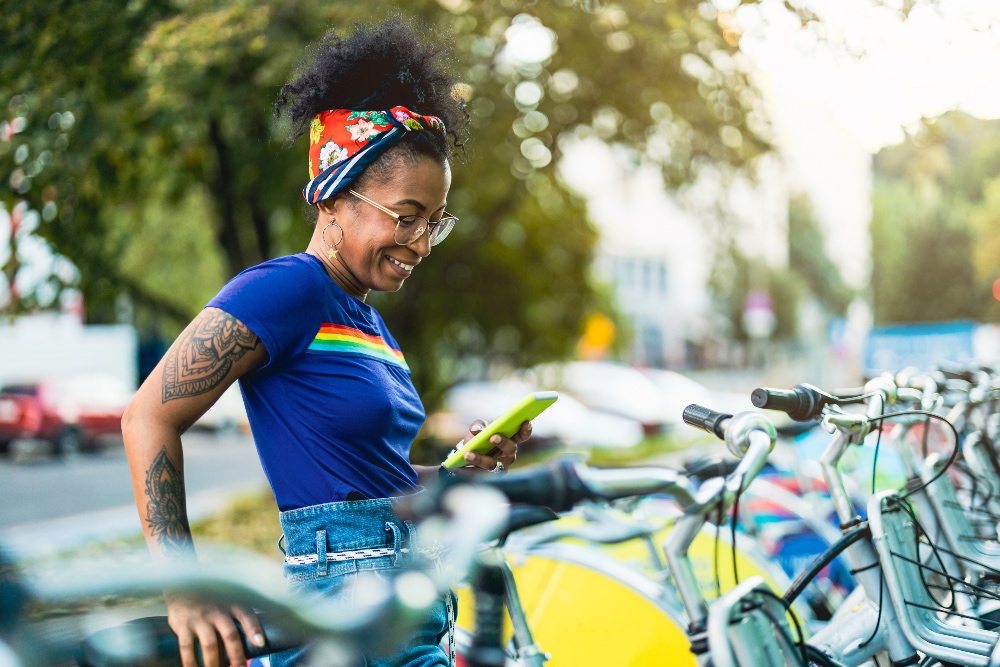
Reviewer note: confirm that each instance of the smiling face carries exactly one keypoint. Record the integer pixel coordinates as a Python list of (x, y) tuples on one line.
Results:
[(368, 251)]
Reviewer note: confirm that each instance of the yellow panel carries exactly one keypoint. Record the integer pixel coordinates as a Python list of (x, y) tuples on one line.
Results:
[(585, 619), (637, 554)]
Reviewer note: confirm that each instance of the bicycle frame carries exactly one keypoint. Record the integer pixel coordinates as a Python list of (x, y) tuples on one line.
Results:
[(849, 637), (376, 621)]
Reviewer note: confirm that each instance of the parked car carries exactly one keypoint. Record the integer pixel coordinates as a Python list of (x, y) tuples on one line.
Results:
[(567, 421), (228, 414), (73, 414), (680, 391), (607, 387)]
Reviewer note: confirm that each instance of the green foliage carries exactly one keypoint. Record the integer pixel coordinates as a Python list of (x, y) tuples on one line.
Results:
[(933, 223), (68, 88), (734, 276), (249, 522), (808, 259), (174, 177), (985, 217), (810, 271)]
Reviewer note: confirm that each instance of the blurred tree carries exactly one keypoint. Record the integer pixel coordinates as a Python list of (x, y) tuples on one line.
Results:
[(810, 270), (173, 177), (67, 148), (808, 259), (734, 276), (934, 223), (985, 218)]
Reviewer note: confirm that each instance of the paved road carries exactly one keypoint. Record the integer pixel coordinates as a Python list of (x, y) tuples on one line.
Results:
[(92, 493), (42, 488)]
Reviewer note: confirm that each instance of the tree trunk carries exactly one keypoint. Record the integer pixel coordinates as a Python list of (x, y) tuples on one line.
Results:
[(222, 193), (262, 231)]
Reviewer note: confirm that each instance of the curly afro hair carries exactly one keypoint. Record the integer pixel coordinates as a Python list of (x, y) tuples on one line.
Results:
[(379, 66)]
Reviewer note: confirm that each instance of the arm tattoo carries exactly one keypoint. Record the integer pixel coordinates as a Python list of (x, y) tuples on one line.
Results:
[(166, 510), (204, 354)]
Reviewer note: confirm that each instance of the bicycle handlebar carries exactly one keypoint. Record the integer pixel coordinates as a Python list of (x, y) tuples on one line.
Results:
[(750, 437), (150, 640), (707, 420), (463, 519), (802, 403), (566, 482), (737, 431)]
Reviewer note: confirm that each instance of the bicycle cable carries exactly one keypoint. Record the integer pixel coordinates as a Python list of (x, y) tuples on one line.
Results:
[(801, 643), (951, 458), (735, 518), (881, 574), (903, 496), (715, 554), (925, 437), (918, 531), (859, 532)]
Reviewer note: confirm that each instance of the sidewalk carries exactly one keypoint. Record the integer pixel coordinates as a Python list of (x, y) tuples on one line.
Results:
[(40, 539)]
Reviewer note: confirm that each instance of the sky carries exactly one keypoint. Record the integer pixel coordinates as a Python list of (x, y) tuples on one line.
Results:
[(840, 90), (876, 72)]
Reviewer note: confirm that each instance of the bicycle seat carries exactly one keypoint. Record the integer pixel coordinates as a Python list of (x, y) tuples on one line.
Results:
[(522, 516)]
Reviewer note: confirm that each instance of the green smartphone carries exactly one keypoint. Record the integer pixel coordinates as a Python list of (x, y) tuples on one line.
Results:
[(507, 425)]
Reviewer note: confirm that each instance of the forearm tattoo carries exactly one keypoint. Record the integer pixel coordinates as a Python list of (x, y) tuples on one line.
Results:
[(166, 510), (203, 355)]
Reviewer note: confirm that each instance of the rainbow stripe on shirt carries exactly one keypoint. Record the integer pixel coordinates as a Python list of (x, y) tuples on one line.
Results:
[(339, 339)]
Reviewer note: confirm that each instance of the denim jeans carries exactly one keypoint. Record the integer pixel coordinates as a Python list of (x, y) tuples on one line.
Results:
[(367, 526)]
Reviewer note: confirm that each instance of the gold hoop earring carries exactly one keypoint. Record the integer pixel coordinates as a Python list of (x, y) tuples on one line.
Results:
[(332, 247)]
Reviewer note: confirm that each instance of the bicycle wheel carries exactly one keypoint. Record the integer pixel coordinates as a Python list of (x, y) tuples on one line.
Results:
[(588, 610)]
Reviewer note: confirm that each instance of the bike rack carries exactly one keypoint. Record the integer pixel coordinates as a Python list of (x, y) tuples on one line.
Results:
[(977, 454), (895, 540), (978, 557), (748, 627)]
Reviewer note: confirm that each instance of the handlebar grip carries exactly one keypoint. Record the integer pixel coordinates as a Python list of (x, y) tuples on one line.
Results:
[(801, 403), (706, 419), (151, 641), (775, 399), (556, 486), (486, 649)]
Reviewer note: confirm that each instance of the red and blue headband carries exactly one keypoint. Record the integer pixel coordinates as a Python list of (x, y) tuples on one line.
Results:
[(343, 142)]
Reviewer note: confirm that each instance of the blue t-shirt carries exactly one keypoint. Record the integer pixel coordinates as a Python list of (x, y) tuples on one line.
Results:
[(333, 412)]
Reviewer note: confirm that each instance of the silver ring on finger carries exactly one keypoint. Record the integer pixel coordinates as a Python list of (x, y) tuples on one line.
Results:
[(498, 468)]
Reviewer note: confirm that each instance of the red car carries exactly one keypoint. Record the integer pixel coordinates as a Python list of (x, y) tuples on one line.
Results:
[(73, 414)]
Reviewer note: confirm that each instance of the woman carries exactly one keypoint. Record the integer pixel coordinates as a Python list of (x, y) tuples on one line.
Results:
[(328, 393)]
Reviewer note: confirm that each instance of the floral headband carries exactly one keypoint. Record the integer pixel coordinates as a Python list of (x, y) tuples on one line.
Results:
[(343, 142)]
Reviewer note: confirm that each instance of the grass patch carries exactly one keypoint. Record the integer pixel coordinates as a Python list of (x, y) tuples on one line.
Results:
[(648, 447), (250, 522)]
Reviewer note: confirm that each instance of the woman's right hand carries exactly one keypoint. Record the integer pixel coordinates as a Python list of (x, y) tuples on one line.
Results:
[(193, 619)]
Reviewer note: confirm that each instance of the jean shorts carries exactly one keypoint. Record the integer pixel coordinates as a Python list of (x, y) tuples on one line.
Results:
[(327, 546)]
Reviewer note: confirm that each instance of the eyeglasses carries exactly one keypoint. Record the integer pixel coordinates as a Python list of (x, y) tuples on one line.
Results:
[(409, 228)]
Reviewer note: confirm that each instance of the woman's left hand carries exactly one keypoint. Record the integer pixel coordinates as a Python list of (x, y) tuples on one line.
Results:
[(505, 449)]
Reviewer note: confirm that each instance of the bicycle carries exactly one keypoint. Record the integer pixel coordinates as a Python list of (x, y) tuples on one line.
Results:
[(461, 520)]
